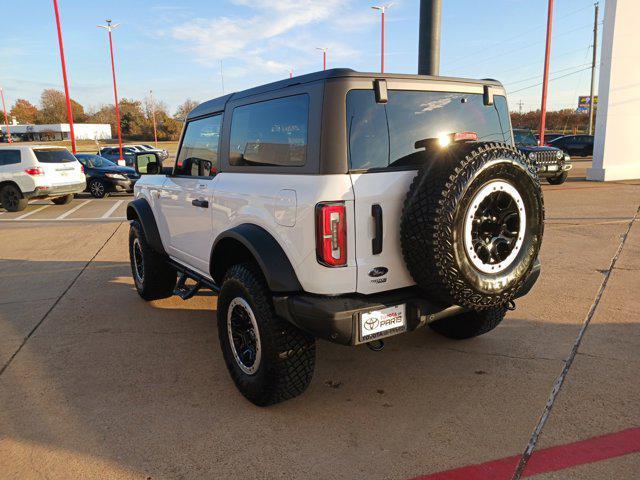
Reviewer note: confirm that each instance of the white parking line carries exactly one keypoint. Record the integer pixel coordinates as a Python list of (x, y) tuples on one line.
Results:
[(32, 212), (74, 209), (112, 209)]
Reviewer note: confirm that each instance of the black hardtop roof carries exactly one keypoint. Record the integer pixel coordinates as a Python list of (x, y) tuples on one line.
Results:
[(218, 104)]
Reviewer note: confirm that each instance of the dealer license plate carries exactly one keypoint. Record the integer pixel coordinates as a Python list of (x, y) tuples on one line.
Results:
[(383, 323)]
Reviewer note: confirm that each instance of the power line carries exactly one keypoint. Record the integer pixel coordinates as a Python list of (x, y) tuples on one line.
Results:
[(550, 80), (552, 73)]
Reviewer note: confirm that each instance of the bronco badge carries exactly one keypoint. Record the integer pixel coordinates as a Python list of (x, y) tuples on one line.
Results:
[(378, 272)]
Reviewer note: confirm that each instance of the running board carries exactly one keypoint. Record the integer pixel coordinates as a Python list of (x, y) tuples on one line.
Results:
[(184, 291)]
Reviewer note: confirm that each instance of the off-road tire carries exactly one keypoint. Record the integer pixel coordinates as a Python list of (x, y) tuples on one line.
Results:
[(158, 278), (287, 355), (559, 180), (12, 199), (433, 221), (63, 200), (469, 324), (97, 188)]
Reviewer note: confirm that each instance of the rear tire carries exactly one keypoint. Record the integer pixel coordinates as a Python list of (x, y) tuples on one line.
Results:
[(469, 324), (63, 200), (12, 199), (559, 180), (153, 276), (269, 359)]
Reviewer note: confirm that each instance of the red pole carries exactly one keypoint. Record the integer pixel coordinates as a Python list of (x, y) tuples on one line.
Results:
[(382, 46), (64, 78), (115, 92), (545, 81), (324, 59), (290, 73), (153, 115), (6, 119)]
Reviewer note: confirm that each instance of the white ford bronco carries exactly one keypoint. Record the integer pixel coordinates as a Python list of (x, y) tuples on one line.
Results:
[(340, 205)]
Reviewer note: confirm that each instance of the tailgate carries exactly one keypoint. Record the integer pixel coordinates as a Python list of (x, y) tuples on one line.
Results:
[(59, 166), (380, 195)]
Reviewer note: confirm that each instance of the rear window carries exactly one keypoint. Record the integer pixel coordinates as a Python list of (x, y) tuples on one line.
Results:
[(9, 157), (54, 156), (270, 133), (384, 135)]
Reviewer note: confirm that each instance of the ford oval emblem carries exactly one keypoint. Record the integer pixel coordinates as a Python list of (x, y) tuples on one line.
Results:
[(378, 272)]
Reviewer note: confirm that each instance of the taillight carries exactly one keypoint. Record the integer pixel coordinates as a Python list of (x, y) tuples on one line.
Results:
[(34, 171), (331, 234), (82, 168)]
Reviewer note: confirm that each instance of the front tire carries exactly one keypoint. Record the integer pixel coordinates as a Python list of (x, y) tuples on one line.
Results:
[(469, 324), (12, 199), (153, 276), (97, 188), (269, 359), (559, 180), (63, 200)]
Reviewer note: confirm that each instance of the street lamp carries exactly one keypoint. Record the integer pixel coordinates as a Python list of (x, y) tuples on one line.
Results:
[(153, 116), (64, 77), (6, 119), (382, 9), (324, 56), (109, 29)]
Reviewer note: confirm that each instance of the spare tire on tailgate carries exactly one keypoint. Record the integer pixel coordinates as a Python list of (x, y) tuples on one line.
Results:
[(472, 224)]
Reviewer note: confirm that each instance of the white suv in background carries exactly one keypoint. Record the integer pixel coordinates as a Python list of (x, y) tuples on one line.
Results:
[(34, 171)]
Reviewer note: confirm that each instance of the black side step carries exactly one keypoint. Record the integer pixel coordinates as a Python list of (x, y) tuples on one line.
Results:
[(182, 290), (185, 291)]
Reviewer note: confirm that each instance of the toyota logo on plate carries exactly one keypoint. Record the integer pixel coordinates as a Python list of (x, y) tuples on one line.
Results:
[(371, 323)]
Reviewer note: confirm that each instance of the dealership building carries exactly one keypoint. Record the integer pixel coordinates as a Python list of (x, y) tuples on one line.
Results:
[(59, 131)]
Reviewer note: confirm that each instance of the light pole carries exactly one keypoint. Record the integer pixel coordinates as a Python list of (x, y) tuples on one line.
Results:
[(382, 9), (109, 29), (545, 78), (6, 119), (153, 116), (64, 77), (324, 56)]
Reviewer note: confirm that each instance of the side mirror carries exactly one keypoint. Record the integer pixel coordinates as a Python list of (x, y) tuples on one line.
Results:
[(148, 163)]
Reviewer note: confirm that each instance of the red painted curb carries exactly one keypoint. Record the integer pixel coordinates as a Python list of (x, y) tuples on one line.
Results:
[(549, 459)]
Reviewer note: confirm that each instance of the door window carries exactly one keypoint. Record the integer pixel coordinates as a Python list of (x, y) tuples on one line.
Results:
[(270, 133), (198, 155), (9, 157)]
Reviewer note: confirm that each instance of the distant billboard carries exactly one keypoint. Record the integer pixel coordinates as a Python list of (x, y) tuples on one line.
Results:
[(584, 101)]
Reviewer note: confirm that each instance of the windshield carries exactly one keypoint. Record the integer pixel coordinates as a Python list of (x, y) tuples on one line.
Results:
[(96, 161), (51, 155), (524, 138)]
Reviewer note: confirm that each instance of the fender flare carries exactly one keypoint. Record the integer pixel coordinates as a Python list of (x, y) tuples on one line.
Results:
[(265, 249), (140, 210)]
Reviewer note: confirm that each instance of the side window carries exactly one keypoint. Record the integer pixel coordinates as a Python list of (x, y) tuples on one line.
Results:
[(198, 155), (270, 133), (367, 130), (9, 157)]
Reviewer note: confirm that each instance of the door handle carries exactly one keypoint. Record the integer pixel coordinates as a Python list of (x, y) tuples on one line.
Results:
[(376, 243), (200, 203)]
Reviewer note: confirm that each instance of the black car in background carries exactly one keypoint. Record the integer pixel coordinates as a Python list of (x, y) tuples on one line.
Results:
[(104, 176), (113, 154), (552, 163), (548, 137), (575, 145)]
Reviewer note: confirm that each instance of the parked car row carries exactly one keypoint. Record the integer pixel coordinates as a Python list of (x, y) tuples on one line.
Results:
[(129, 153), (574, 145), (38, 172)]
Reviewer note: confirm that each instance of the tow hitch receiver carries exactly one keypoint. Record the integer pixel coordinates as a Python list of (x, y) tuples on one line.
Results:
[(183, 291)]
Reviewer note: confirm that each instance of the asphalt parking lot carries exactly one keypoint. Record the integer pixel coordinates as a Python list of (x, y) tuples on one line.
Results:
[(96, 383)]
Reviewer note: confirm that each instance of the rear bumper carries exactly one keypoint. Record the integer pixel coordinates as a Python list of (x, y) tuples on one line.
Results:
[(44, 191), (335, 318)]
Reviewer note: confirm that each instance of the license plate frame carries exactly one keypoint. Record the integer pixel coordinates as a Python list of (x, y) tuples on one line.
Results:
[(377, 324), (552, 168)]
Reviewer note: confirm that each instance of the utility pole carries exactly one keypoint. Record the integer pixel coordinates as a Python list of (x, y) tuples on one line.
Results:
[(592, 100), (109, 28), (324, 56), (545, 80), (520, 105), (64, 77), (429, 37), (6, 119), (382, 9), (153, 116)]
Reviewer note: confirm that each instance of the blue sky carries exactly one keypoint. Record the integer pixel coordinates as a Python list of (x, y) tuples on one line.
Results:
[(175, 48)]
